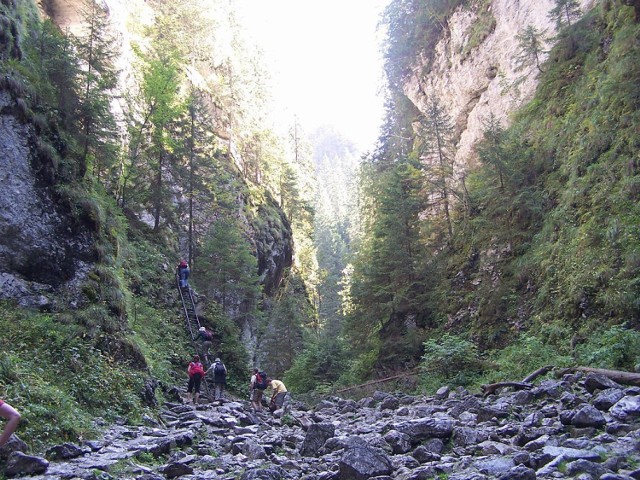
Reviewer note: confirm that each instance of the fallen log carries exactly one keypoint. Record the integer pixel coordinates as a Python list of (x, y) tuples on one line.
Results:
[(374, 382), (537, 373), (490, 388), (619, 376)]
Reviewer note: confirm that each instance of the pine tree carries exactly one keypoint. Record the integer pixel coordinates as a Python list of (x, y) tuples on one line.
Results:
[(437, 151), (229, 270), (564, 13), (97, 50), (530, 48)]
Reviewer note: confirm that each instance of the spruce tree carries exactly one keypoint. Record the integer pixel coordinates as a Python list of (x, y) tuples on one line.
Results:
[(438, 152), (564, 13), (385, 283), (201, 165), (491, 149), (97, 51), (530, 48), (229, 270)]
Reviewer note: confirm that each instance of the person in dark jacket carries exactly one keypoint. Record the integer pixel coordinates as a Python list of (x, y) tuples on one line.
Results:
[(205, 338), (219, 378), (183, 273)]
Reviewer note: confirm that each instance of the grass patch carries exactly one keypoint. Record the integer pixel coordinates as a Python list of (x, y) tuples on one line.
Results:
[(54, 375)]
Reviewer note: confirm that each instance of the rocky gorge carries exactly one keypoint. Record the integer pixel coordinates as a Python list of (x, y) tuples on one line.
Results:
[(577, 426)]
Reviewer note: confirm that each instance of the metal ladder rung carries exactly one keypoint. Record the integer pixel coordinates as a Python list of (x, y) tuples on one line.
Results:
[(191, 317)]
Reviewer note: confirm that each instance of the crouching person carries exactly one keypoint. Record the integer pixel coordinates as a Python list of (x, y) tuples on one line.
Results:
[(280, 398)]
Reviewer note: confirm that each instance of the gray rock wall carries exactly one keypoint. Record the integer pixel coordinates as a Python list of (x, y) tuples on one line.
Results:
[(41, 247), (471, 84)]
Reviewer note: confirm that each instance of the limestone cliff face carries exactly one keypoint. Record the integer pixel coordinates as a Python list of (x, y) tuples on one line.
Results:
[(43, 248), (470, 79), (40, 248)]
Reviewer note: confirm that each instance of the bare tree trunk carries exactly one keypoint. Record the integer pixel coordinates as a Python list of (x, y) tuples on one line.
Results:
[(627, 378), (492, 387)]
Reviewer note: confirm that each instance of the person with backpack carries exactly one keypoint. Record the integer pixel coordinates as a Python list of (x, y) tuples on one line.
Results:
[(257, 387), (13, 418), (206, 338), (196, 373), (219, 378), (280, 398)]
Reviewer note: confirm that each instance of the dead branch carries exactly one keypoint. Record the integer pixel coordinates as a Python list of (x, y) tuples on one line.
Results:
[(382, 380), (490, 388), (537, 373)]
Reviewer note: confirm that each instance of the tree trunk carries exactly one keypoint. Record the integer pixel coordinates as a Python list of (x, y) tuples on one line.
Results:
[(627, 378)]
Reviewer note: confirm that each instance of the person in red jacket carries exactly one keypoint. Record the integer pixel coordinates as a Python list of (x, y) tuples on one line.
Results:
[(13, 418), (196, 374)]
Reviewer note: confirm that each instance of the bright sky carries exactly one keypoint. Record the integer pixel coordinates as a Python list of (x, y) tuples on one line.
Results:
[(325, 61)]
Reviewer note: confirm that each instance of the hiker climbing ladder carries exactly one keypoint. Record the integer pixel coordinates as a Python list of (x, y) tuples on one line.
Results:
[(192, 321)]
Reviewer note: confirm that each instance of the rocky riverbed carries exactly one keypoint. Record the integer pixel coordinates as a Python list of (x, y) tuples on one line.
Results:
[(582, 427)]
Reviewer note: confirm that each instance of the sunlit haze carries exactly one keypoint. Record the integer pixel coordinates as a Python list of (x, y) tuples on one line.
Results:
[(325, 62)]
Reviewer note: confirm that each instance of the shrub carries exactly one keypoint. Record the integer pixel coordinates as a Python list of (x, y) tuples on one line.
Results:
[(449, 355), (617, 347), (527, 354), (449, 360)]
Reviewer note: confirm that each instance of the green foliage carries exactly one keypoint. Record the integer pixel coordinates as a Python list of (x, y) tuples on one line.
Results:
[(555, 191), (450, 359), (587, 245), (360, 367), (286, 318), (481, 28), (564, 13), (162, 342), (526, 354), (616, 347), (288, 420), (229, 270), (147, 458), (228, 347), (437, 153), (530, 48), (97, 131), (319, 365), (387, 269), (55, 376)]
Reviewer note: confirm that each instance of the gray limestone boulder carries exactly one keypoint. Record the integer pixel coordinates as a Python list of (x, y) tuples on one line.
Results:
[(627, 408), (363, 462), (20, 464)]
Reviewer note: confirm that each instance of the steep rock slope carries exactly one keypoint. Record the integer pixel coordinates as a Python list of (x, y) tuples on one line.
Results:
[(42, 245), (471, 77)]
